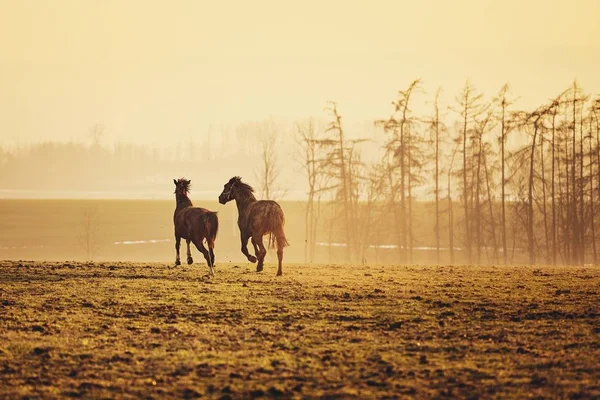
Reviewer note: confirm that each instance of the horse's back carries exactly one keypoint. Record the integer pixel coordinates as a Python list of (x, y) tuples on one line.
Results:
[(265, 216), (189, 220)]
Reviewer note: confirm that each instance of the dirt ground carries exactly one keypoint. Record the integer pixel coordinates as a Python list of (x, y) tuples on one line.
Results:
[(123, 330)]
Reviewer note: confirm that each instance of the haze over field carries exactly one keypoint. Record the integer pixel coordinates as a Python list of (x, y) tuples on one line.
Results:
[(155, 72)]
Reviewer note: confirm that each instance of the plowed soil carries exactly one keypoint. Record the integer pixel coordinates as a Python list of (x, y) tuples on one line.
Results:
[(125, 330)]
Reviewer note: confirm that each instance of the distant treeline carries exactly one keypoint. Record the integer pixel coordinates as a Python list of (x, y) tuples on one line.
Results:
[(125, 167), (122, 167)]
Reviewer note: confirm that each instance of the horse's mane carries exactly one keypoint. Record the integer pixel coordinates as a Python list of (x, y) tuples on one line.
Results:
[(185, 184), (244, 186)]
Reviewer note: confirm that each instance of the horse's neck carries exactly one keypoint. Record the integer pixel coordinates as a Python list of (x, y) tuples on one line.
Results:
[(244, 202), (183, 201)]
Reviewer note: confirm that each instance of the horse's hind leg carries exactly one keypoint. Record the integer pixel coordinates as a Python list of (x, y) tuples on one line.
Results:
[(212, 256), (177, 245), (279, 258), (200, 246), (190, 260), (262, 252)]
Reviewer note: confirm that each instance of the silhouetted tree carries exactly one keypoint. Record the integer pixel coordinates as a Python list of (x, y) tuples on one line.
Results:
[(505, 127), (312, 162), (398, 150), (469, 107), (88, 238), (270, 168)]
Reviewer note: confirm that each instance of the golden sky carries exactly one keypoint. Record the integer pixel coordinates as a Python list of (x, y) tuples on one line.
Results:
[(150, 71)]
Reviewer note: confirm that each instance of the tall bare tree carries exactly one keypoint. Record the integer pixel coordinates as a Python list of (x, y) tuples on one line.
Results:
[(270, 168), (469, 107), (505, 128), (398, 154), (437, 128), (312, 163)]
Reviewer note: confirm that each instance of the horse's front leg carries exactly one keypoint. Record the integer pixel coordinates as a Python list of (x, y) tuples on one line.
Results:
[(177, 245), (190, 260), (250, 257)]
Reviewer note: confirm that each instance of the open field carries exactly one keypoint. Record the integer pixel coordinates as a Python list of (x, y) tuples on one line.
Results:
[(156, 331), (142, 230)]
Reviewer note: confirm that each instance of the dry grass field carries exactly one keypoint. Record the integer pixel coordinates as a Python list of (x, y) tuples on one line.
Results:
[(107, 330)]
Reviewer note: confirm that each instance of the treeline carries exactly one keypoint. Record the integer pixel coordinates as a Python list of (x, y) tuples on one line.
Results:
[(123, 168), (524, 181)]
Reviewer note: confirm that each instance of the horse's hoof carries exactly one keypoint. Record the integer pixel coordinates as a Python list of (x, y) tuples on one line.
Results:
[(190, 260), (177, 262), (259, 268), (279, 273), (252, 259)]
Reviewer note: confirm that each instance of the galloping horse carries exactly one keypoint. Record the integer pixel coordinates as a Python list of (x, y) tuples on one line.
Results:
[(194, 224), (256, 218)]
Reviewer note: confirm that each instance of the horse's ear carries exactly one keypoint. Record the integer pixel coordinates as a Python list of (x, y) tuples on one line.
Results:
[(189, 181), (238, 178), (175, 181)]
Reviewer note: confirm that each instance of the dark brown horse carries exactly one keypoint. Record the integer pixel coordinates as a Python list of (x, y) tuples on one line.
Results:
[(256, 218), (194, 224)]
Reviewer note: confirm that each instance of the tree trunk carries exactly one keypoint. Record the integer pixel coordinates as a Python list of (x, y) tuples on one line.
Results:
[(465, 184), (478, 235), (553, 188), (530, 238), (569, 209), (581, 194), (503, 183), (592, 210), (437, 180), (450, 224), (491, 209), (574, 219), (547, 242), (409, 179)]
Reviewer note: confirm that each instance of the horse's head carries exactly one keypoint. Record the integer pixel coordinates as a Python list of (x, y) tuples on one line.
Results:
[(182, 186), (229, 190)]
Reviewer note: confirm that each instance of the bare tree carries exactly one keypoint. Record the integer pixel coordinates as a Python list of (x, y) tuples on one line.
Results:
[(437, 128), (450, 208), (270, 169), (553, 156), (312, 163), (338, 164), (89, 233), (591, 156), (468, 108), (96, 134), (481, 151), (341, 165), (398, 154), (505, 127)]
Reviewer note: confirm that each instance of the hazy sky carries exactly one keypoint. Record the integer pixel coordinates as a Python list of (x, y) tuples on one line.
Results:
[(151, 71)]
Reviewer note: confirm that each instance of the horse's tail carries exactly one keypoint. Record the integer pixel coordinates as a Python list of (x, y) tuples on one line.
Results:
[(277, 235), (211, 227)]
